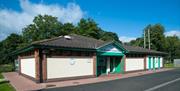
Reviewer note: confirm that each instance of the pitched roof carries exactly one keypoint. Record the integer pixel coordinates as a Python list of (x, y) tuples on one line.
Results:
[(71, 41), (78, 41), (136, 49)]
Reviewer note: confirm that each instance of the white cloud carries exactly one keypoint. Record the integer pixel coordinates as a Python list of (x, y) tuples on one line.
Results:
[(172, 33), (126, 39), (13, 21)]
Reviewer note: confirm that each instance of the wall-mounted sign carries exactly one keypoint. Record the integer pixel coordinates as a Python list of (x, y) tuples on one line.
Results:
[(110, 48), (72, 61)]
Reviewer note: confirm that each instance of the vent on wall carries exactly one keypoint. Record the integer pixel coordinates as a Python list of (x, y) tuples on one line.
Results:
[(67, 37)]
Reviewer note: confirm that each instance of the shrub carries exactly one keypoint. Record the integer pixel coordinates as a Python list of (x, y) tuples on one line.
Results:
[(6, 68)]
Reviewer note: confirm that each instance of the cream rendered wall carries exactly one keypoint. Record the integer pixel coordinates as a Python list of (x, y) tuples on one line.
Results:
[(133, 64), (147, 62), (161, 61), (28, 66), (69, 67)]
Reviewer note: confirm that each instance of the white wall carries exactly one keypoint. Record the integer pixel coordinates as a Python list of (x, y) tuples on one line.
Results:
[(69, 67), (161, 61), (28, 66), (147, 62), (176, 62), (133, 64)]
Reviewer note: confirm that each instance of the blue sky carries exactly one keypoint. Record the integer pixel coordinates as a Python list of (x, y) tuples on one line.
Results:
[(125, 17)]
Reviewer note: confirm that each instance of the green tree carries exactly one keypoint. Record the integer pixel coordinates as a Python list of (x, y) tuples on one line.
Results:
[(68, 28), (137, 42), (173, 47), (107, 36), (43, 27), (89, 28), (8, 45), (157, 37)]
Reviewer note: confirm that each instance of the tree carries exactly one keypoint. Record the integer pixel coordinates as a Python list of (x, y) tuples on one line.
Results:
[(88, 28), (43, 27), (137, 42), (8, 45), (173, 47), (68, 28), (107, 36), (157, 38)]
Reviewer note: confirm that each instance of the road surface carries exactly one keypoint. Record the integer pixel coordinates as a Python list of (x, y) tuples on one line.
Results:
[(163, 81)]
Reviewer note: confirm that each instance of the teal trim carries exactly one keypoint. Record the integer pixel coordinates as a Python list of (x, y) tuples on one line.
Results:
[(119, 45), (116, 65), (22, 50), (114, 43), (48, 47), (159, 62), (64, 48), (110, 54), (149, 63)]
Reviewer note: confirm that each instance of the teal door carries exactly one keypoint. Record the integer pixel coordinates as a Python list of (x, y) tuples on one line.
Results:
[(112, 64), (117, 66), (159, 62), (101, 65), (149, 66)]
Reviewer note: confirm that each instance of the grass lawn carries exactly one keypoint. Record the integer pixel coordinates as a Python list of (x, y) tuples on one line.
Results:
[(169, 65), (5, 86), (1, 76)]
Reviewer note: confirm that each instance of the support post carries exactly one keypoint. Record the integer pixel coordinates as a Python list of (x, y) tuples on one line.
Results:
[(145, 62), (124, 59), (19, 59), (94, 64), (37, 65), (44, 67), (154, 63)]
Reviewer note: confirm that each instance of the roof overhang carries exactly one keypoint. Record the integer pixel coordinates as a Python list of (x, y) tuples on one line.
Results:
[(34, 46)]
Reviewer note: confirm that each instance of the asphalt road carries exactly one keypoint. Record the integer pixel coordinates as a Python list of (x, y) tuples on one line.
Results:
[(163, 81)]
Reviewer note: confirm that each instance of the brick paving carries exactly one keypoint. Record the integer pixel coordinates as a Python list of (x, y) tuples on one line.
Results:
[(21, 83)]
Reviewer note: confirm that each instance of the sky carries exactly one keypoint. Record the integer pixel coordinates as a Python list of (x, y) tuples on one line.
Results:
[(127, 18)]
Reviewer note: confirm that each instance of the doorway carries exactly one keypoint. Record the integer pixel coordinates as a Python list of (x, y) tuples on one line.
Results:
[(109, 65)]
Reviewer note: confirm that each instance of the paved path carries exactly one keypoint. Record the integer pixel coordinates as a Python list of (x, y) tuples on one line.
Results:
[(21, 83), (163, 81)]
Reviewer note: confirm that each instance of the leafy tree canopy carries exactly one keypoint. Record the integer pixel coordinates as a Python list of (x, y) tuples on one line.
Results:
[(45, 27), (159, 42)]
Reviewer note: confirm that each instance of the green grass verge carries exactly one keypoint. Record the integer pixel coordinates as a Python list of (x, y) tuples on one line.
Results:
[(6, 68), (169, 65), (5, 86), (1, 76)]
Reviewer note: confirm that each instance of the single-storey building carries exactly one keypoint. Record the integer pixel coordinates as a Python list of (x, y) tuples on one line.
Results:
[(74, 56)]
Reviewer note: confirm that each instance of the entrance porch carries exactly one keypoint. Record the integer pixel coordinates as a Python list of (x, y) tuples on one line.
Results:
[(110, 65)]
